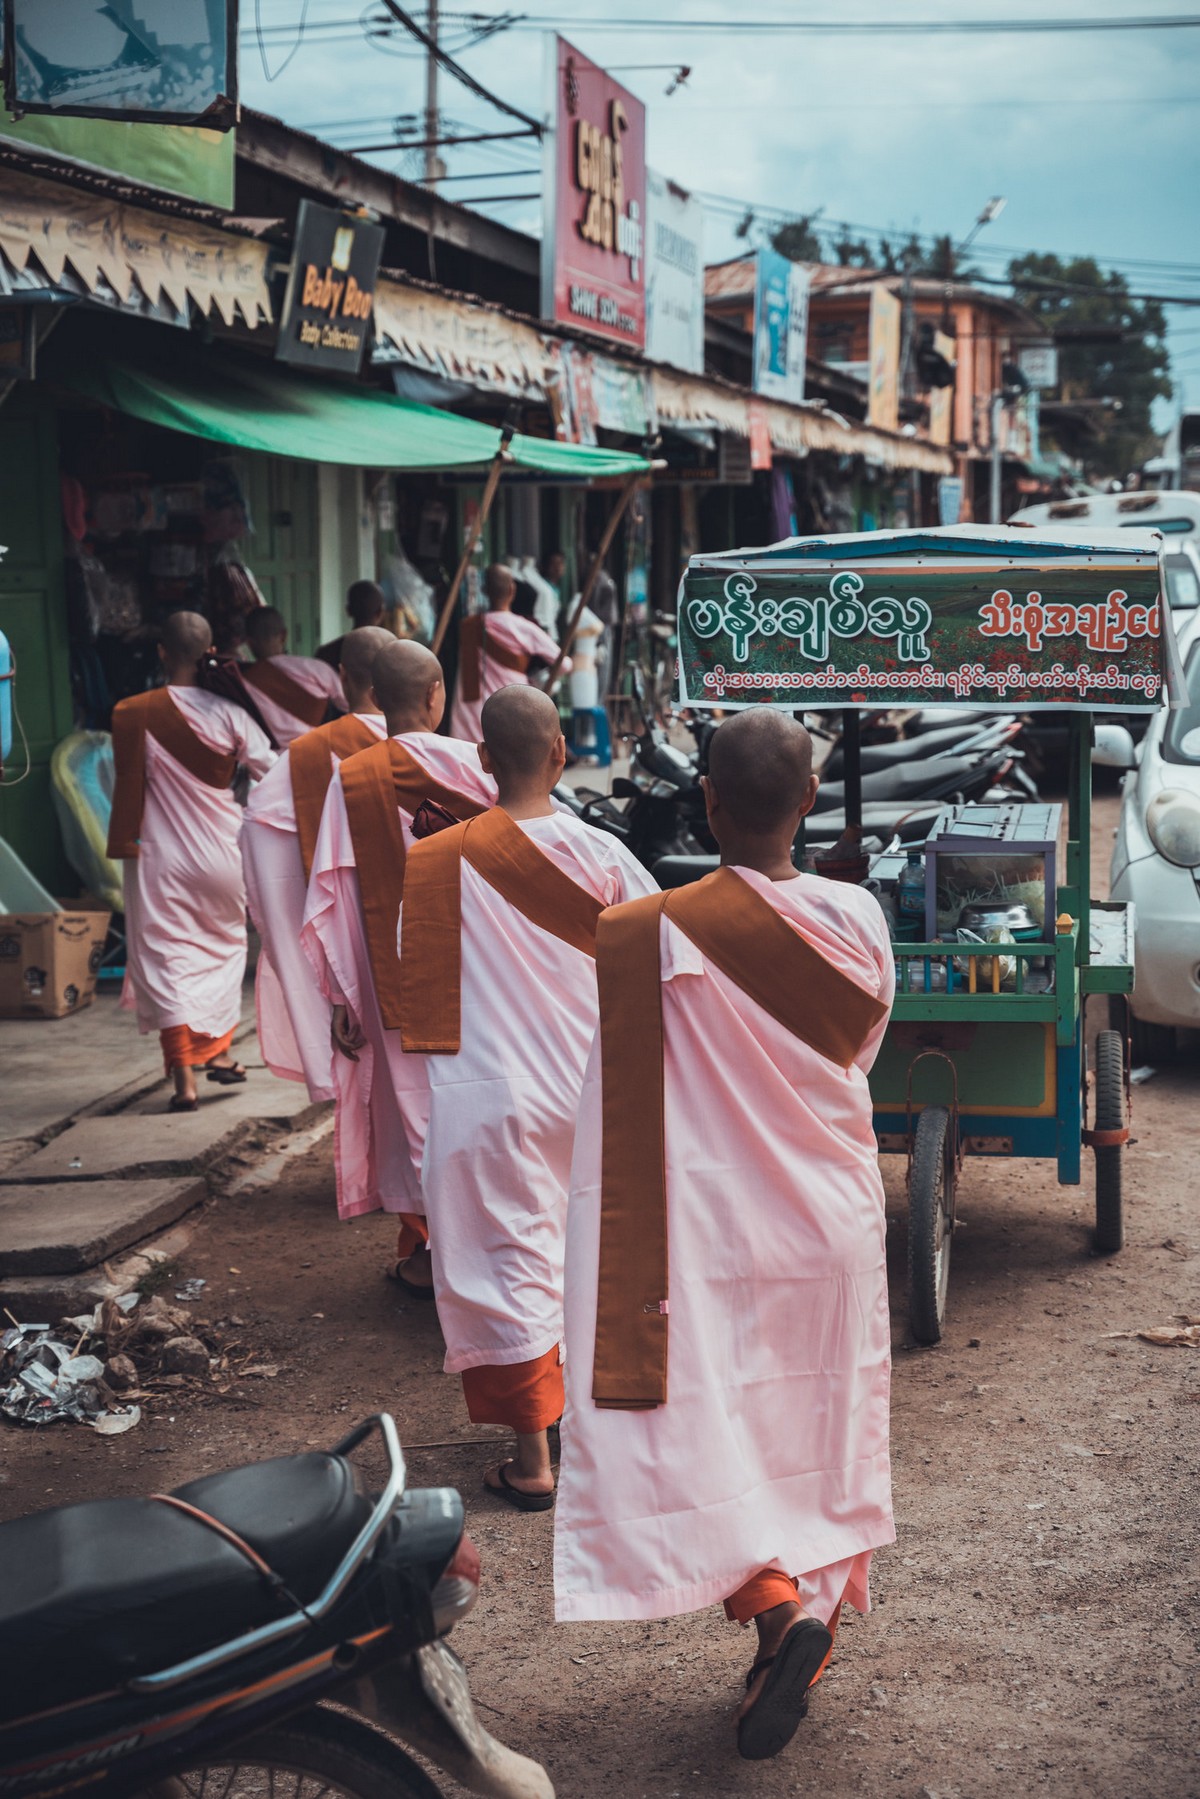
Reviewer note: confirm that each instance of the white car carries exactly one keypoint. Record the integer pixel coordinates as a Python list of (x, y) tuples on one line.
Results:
[(1156, 858)]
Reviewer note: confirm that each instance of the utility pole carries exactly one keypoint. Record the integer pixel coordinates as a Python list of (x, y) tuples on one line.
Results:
[(434, 166)]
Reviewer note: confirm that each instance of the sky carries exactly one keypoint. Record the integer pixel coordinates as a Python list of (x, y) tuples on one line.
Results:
[(1092, 137)]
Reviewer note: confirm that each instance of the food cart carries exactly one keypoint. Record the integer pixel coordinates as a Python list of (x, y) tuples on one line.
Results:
[(986, 1053)]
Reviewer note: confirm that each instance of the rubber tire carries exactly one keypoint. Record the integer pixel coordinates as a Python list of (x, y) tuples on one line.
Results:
[(359, 1761), (928, 1210), (1109, 1116)]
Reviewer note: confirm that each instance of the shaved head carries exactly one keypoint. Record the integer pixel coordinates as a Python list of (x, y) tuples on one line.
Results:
[(498, 585), (760, 763), (186, 636), (265, 626), (404, 675), (521, 727), (359, 650)]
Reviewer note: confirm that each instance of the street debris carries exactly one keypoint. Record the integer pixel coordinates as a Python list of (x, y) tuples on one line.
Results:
[(1183, 1334), (1139, 1076), (191, 1289), (97, 1366)]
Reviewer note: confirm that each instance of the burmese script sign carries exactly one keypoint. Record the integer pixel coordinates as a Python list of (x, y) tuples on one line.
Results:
[(1005, 634)]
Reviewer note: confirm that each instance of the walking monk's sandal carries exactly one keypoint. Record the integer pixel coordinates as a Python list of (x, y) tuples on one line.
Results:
[(773, 1719)]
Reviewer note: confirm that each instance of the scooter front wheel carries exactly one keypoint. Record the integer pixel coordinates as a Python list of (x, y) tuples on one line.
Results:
[(318, 1754)]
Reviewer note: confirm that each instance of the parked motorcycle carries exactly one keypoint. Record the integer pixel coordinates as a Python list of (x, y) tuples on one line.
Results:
[(192, 1642)]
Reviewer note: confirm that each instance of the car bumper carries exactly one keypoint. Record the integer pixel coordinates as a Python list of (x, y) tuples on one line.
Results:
[(1166, 982)]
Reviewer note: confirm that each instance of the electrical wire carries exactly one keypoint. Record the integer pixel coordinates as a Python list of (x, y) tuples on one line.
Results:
[(262, 48), (890, 27)]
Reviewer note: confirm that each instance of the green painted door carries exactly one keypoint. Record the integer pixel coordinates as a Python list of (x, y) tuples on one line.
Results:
[(282, 553), (33, 618)]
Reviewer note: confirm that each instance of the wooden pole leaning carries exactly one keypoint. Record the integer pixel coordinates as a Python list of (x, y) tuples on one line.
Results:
[(472, 540), (632, 483)]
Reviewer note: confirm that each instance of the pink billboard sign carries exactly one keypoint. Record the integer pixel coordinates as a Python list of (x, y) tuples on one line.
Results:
[(593, 241)]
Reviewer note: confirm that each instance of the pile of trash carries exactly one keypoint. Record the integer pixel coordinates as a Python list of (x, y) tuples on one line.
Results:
[(96, 1366)]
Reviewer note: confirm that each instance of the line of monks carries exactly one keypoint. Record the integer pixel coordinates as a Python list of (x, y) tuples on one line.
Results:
[(627, 1133)]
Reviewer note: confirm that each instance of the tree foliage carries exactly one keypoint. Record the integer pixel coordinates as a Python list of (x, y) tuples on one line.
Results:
[(1079, 295)]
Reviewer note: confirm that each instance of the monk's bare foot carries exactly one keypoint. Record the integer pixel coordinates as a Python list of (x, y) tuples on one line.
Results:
[(773, 1626), (184, 1080)]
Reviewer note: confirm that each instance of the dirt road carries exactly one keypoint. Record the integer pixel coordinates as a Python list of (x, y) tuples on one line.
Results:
[(1036, 1622)]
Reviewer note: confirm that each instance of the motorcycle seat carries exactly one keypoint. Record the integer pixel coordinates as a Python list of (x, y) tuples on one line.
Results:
[(92, 1595)]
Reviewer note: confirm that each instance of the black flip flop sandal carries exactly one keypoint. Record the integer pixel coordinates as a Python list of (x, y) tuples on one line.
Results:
[(226, 1077), (774, 1718), (412, 1288), (177, 1103), (524, 1502)]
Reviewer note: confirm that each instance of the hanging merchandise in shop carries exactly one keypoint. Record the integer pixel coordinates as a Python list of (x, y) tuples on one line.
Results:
[(174, 61), (780, 327), (675, 275), (594, 201), (883, 392), (331, 289)]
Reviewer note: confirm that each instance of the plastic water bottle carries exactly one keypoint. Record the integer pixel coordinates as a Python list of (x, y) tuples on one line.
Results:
[(910, 892)]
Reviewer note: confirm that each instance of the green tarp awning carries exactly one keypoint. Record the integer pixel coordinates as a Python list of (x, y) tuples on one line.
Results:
[(262, 406)]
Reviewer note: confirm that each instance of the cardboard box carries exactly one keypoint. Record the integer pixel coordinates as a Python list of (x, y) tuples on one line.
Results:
[(48, 960)]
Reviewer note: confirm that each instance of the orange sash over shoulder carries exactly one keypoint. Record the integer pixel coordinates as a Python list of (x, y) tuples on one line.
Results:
[(431, 951), (777, 968), (473, 635), (311, 771), (275, 682), (156, 713), (378, 784)]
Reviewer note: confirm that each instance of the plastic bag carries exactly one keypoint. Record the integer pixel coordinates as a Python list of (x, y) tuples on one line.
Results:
[(410, 597)]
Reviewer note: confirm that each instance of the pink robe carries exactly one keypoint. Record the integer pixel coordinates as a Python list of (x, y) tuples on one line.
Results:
[(772, 1448), (515, 633), (314, 676), (497, 1152), (382, 1100), (185, 904), (293, 1014)]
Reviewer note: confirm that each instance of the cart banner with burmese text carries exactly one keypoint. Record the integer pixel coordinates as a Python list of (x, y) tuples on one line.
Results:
[(1081, 635)]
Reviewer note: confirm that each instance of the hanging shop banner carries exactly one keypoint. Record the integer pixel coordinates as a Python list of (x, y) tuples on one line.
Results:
[(330, 291), (950, 498), (760, 435), (780, 327), (883, 391), (128, 249), (170, 61), (674, 275), (895, 633), (594, 201)]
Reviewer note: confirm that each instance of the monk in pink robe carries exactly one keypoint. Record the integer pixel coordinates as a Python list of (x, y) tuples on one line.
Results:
[(349, 936), (497, 648), (725, 1436), (498, 997), (279, 833), (175, 823), (294, 693)]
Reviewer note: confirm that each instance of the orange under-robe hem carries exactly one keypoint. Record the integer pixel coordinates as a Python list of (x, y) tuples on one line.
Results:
[(184, 1048), (413, 1235), (526, 1396)]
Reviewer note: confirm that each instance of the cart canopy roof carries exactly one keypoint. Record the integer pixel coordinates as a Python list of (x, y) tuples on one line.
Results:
[(983, 615)]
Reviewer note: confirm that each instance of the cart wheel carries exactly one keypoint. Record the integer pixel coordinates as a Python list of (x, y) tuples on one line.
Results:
[(930, 1202), (1110, 1116)]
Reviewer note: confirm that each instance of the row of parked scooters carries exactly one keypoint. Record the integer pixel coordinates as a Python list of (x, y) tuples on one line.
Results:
[(909, 772)]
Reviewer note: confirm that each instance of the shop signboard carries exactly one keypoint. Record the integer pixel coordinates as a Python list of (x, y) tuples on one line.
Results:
[(594, 201), (174, 61), (941, 399), (883, 389), (899, 632), (331, 289), (950, 498), (760, 435), (674, 275), (780, 326), (180, 159), (1039, 364)]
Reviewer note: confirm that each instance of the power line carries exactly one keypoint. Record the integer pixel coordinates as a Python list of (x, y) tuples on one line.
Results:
[(447, 62), (861, 27)]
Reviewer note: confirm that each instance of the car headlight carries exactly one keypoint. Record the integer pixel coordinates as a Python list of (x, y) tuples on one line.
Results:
[(1173, 822)]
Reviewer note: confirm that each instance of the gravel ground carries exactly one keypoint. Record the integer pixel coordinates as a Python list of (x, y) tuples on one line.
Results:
[(1035, 1624)]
